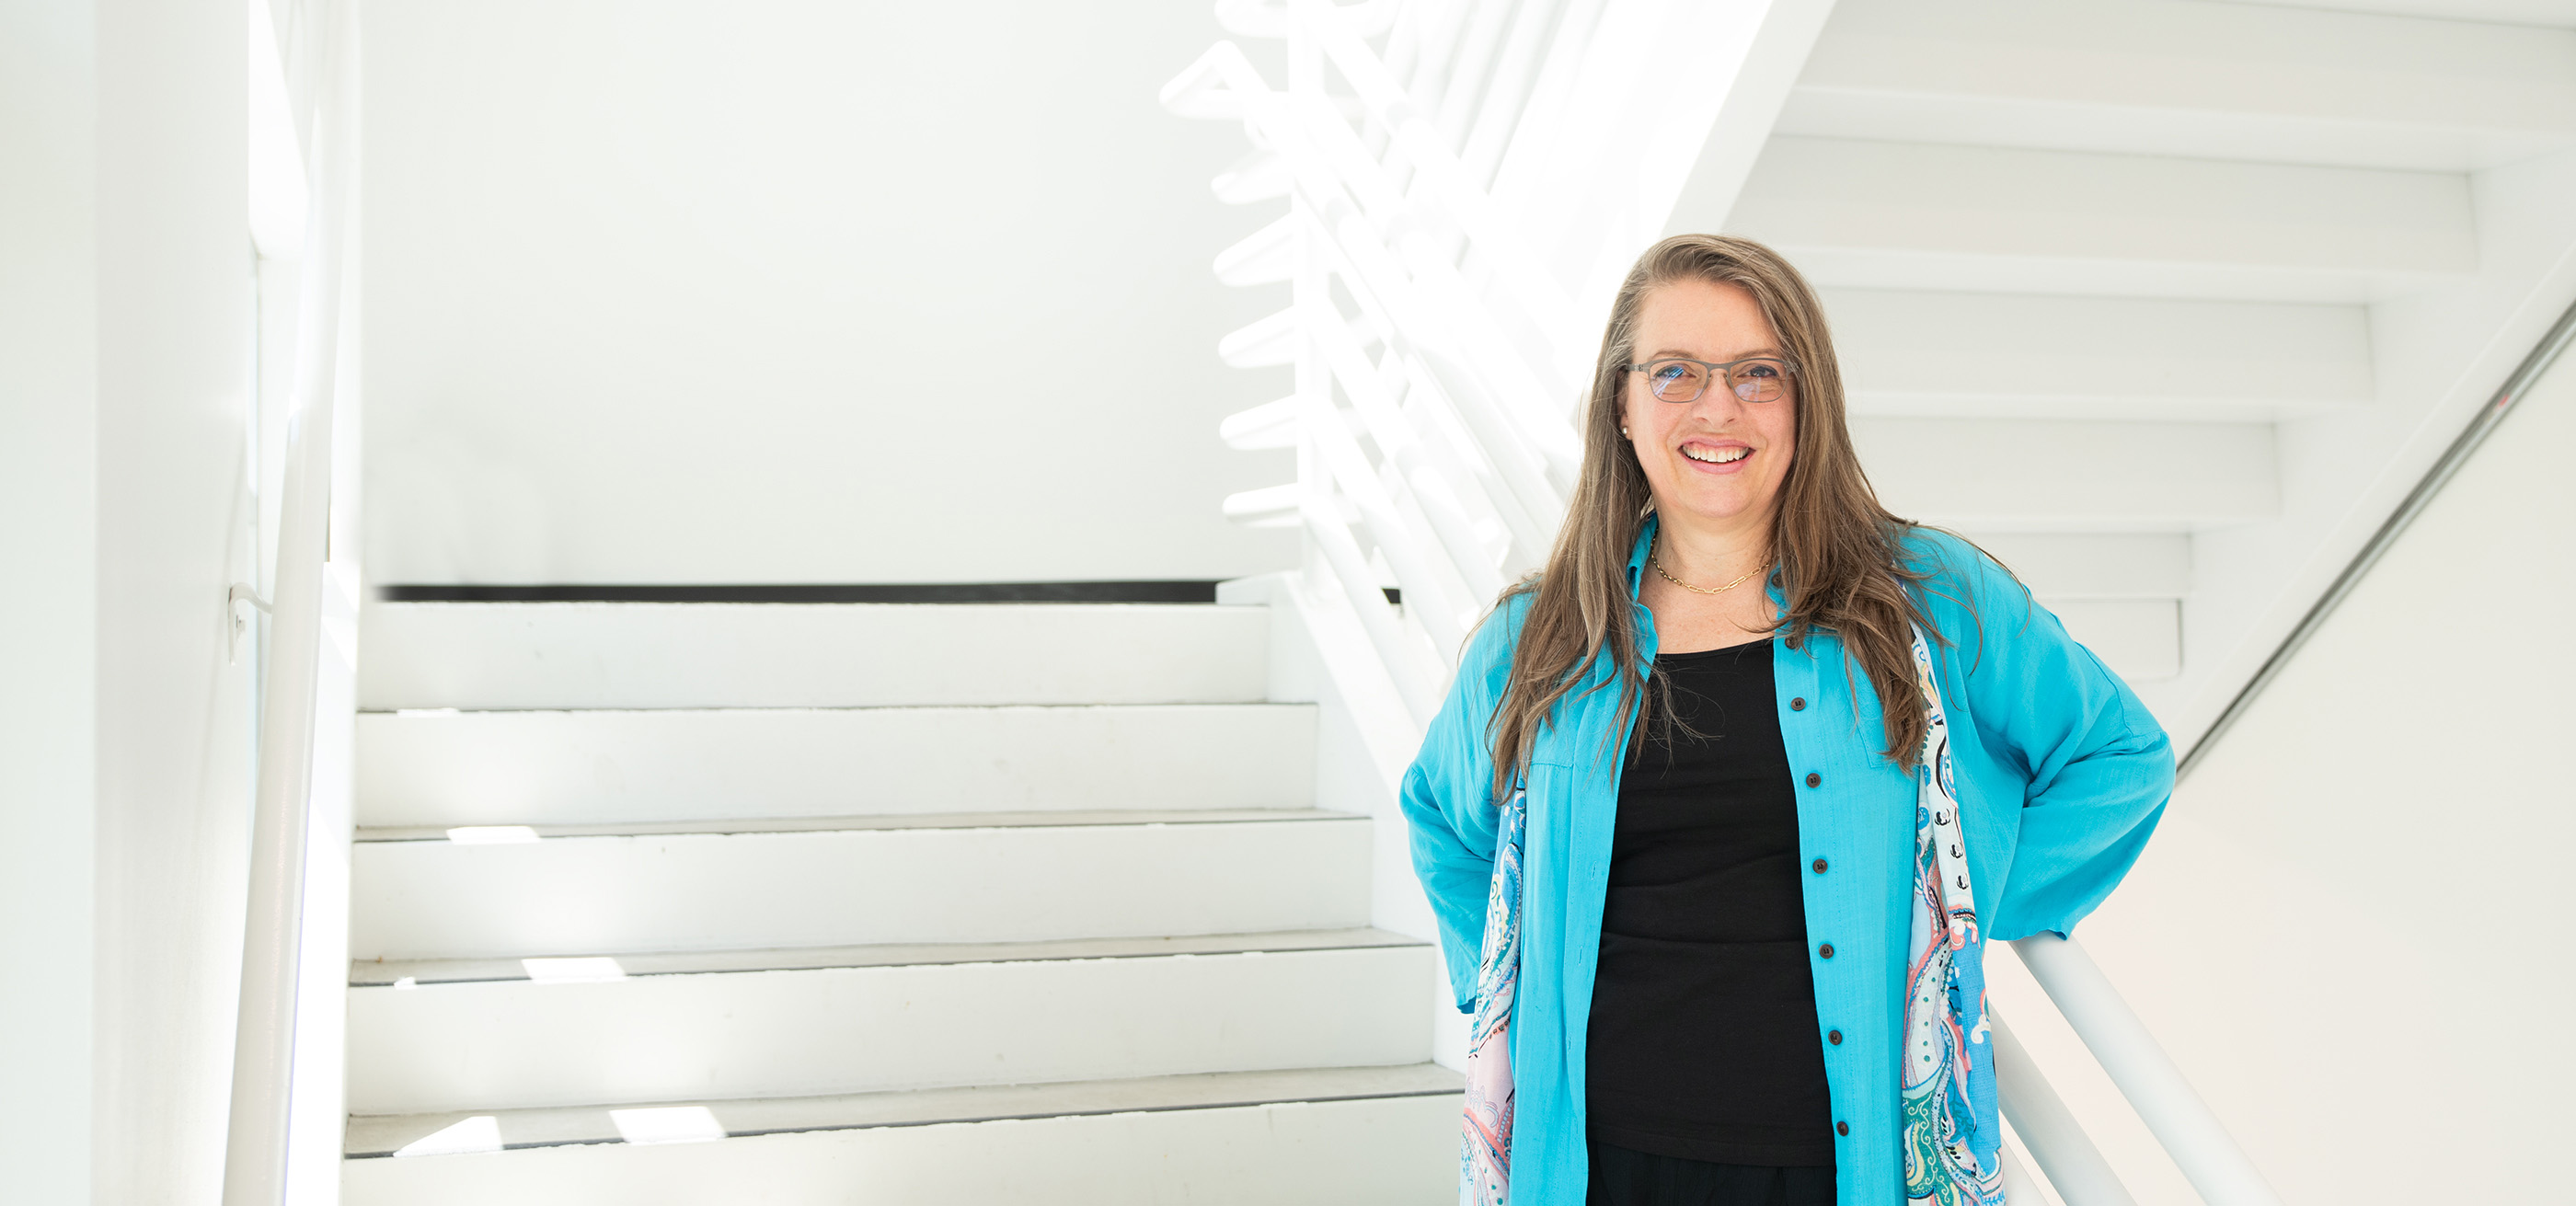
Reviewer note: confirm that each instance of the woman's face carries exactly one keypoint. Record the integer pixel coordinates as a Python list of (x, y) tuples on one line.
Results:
[(1717, 458)]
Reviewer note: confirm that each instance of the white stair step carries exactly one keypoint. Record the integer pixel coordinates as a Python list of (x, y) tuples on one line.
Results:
[(2028, 475), (1356, 1136), (1996, 355), (443, 768), (2139, 639), (2163, 77), (1081, 1011), (2059, 567), (1894, 215), (749, 655), (992, 877)]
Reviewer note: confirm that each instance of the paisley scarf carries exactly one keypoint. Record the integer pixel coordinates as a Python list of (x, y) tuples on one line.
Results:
[(1947, 1087), (1485, 1153), (1947, 1111)]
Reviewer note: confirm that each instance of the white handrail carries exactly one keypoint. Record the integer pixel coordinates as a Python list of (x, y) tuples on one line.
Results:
[(261, 1123), (2163, 1098), (2074, 1166)]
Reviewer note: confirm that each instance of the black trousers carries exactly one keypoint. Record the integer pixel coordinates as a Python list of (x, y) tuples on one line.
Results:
[(1621, 1177)]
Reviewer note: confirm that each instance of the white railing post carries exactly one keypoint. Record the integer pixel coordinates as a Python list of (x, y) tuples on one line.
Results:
[(2165, 1101)]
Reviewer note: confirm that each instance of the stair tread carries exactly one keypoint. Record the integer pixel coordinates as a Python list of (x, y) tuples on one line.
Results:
[(921, 820), (374, 973), (386, 1135)]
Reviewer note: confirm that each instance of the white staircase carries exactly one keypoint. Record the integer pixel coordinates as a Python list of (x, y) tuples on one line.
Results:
[(2168, 301), (886, 903)]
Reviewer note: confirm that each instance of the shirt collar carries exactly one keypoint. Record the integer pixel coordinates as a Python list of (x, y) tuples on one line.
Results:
[(1637, 555)]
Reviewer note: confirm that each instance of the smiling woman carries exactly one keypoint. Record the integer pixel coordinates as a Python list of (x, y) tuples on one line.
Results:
[(1718, 910)]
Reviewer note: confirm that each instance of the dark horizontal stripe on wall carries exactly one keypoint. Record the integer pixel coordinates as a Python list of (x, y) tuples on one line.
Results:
[(853, 592)]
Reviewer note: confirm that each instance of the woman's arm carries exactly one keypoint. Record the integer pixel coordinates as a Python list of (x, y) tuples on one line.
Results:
[(2099, 766), (1446, 799)]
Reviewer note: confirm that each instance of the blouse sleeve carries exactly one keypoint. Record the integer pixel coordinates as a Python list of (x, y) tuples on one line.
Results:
[(1446, 799), (2099, 767)]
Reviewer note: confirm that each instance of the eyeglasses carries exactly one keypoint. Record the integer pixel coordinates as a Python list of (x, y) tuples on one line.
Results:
[(1753, 379)]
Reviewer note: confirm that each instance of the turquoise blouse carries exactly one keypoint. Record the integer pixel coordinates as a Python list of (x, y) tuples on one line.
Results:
[(2061, 775)]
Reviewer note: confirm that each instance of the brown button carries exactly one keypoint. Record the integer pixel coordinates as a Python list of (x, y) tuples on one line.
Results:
[(1815, 780), (1819, 865), (1827, 950), (1842, 1128), (1799, 704), (1835, 1037)]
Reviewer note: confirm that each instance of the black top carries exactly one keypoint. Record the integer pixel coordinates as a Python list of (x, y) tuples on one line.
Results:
[(1703, 1040)]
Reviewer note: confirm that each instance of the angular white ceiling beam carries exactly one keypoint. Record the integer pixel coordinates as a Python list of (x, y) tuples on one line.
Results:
[(2024, 475), (1994, 355), (1912, 216), (2199, 80)]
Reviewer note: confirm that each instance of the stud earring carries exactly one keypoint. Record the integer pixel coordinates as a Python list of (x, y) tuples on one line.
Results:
[(1623, 434)]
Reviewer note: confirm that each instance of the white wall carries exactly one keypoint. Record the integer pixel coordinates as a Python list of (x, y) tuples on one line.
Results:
[(2352, 931), (681, 291), (48, 525), (124, 337)]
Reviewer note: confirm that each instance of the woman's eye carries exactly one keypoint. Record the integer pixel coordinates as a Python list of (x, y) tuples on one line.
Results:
[(1761, 369), (1666, 374)]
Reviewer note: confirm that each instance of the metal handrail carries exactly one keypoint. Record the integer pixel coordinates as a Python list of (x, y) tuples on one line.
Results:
[(2560, 335)]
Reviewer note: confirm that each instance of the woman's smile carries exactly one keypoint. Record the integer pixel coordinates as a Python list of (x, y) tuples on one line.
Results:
[(1717, 456)]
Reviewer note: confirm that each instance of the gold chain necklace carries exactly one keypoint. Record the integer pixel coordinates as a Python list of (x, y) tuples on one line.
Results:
[(1702, 590)]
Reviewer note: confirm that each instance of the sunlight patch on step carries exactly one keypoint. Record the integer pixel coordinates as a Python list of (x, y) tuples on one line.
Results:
[(668, 1124), (481, 1133), (491, 835), (590, 969)]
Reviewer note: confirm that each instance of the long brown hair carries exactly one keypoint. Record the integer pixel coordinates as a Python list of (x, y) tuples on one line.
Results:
[(1839, 553)]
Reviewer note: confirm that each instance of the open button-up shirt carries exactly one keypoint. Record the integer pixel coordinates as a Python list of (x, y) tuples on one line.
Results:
[(2061, 775)]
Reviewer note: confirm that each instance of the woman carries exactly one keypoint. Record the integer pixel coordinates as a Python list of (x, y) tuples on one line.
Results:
[(1734, 955)]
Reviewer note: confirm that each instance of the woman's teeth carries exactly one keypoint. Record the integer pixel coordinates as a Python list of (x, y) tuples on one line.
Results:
[(1716, 456)]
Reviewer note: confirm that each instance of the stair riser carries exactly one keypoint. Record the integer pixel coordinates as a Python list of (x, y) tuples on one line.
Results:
[(1999, 355), (1888, 215), (1382, 1152), (2235, 81), (648, 655), (437, 899), (2021, 475), (570, 768), (517, 1044)]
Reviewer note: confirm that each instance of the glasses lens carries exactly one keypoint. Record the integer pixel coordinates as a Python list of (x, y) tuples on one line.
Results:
[(1676, 380), (1759, 380)]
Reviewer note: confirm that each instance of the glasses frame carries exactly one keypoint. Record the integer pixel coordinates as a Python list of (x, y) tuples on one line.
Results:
[(1715, 371)]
